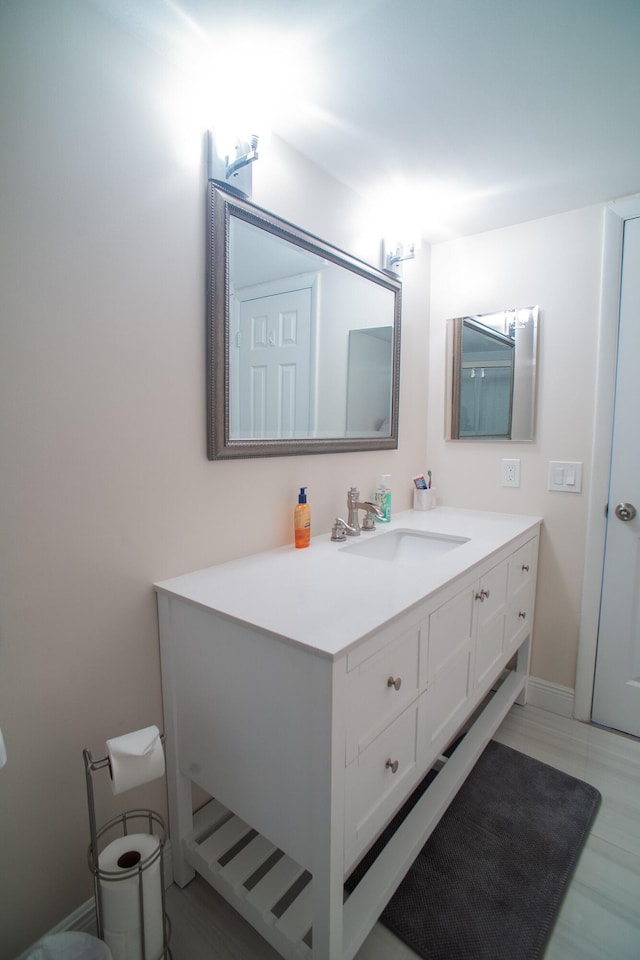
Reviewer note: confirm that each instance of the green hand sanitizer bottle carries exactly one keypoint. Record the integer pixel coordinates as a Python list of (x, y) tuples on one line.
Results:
[(382, 498)]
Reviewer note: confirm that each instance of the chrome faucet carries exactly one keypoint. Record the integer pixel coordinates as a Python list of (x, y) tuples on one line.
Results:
[(353, 505)]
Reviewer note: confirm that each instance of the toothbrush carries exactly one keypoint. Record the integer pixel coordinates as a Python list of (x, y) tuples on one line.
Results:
[(429, 474)]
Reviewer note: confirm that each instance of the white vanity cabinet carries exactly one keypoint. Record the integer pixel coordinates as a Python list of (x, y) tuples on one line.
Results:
[(309, 695)]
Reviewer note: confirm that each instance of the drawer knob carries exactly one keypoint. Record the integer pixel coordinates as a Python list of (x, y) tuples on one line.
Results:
[(482, 596), (525, 567), (395, 682), (391, 765), (522, 615)]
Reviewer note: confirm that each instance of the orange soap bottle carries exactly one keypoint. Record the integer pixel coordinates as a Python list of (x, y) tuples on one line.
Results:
[(302, 520)]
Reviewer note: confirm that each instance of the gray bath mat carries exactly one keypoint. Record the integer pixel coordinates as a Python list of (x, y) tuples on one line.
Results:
[(489, 882)]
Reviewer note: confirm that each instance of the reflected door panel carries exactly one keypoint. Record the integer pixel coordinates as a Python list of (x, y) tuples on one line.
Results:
[(369, 382), (491, 375), (486, 382), (273, 363)]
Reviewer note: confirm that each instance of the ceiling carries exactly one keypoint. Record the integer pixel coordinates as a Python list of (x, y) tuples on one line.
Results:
[(490, 112)]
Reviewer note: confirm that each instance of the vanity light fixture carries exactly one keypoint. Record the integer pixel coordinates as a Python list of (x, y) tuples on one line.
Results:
[(391, 259), (246, 153), (234, 170)]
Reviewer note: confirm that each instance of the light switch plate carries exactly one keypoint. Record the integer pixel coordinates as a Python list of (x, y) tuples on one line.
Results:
[(565, 476), (510, 473)]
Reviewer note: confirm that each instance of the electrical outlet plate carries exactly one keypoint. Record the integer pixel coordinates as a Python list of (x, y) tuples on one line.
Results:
[(510, 473)]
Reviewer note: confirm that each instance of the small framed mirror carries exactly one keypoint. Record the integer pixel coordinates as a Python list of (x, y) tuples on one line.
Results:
[(491, 375), (303, 340)]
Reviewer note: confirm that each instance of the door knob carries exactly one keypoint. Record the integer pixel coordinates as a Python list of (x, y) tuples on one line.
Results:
[(625, 511)]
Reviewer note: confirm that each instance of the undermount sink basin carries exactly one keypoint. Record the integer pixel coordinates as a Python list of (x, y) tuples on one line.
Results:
[(409, 547)]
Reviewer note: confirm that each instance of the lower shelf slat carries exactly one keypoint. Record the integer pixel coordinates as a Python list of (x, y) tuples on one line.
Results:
[(220, 842), (295, 922), (274, 886), (250, 859)]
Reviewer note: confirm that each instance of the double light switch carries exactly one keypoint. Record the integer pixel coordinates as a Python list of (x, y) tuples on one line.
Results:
[(565, 476)]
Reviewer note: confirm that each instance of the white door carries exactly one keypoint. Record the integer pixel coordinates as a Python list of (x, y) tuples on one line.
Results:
[(616, 695), (273, 363)]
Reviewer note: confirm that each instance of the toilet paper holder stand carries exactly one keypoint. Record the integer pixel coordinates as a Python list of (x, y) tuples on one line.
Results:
[(138, 821)]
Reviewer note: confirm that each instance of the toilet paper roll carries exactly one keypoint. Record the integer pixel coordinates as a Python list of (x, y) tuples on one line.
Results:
[(135, 758), (122, 920)]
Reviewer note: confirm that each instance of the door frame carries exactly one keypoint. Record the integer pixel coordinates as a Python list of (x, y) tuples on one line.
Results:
[(615, 215)]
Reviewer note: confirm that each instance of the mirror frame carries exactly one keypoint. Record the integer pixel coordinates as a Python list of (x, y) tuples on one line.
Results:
[(221, 206)]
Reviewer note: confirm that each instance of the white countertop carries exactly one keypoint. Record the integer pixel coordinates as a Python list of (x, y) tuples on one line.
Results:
[(325, 599)]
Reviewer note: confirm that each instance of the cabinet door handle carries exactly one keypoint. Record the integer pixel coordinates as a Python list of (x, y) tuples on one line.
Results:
[(522, 615), (391, 765), (525, 567), (395, 682), (482, 596)]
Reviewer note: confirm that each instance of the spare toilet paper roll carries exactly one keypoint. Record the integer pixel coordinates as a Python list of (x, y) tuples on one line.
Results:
[(121, 917), (135, 758)]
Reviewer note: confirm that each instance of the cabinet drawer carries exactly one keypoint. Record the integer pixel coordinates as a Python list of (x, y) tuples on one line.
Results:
[(380, 689), (377, 781), (521, 568), (519, 615), (518, 621)]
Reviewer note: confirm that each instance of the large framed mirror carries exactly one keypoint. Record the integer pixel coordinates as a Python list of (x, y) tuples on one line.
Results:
[(491, 375), (303, 340)]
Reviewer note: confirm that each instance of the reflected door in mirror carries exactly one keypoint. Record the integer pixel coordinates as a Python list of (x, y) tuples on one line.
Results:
[(486, 383), (272, 366), (491, 375)]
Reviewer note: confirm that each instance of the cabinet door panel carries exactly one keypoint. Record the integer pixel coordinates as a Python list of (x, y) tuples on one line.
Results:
[(491, 607), (450, 630), (444, 707)]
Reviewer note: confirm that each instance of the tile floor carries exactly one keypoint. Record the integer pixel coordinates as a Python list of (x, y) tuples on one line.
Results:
[(600, 917)]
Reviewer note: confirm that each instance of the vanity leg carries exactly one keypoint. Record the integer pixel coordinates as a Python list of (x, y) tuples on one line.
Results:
[(180, 825), (328, 811), (522, 667), (178, 786), (327, 918)]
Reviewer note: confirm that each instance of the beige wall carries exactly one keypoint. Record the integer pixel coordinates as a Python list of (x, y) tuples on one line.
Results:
[(555, 263), (105, 482)]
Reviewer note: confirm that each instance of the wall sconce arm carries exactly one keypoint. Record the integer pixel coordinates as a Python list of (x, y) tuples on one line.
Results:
[(394, 258), (246, 153)]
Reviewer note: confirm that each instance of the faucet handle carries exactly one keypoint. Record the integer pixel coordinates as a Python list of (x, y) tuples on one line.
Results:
[(338, 531), (368, 522), (340, 528)]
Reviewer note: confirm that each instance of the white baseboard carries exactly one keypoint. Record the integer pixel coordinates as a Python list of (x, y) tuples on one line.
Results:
[(83, 918), (550, 696)]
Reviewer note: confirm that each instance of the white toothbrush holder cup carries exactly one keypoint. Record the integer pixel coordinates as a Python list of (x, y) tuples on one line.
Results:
[(424, 499)]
